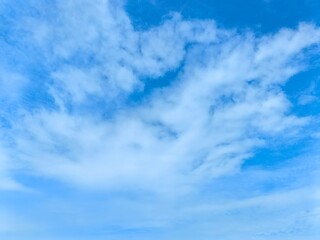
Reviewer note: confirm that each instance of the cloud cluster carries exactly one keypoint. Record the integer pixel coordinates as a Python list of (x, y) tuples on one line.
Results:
[(224, 102)]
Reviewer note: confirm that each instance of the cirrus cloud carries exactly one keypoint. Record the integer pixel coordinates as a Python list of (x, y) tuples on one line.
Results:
[(225, 101)]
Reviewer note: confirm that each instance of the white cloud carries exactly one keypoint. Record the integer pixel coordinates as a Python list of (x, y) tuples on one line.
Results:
[(306, 99), (279, 203), (170, 161), (226, 101), (309, 95)]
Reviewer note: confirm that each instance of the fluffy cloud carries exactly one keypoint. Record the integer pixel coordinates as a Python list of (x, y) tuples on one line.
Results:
[(225, 101)]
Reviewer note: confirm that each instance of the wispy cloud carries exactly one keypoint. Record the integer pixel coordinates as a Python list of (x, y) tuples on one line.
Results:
[(226, 101), (69, 114)]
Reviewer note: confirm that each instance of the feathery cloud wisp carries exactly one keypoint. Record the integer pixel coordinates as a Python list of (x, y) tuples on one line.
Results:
[(225, 101)]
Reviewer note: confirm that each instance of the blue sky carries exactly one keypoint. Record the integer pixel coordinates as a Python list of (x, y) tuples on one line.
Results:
[(158, 119)]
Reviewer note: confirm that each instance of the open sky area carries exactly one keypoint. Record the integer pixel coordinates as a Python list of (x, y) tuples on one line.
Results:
[(159, 120)]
